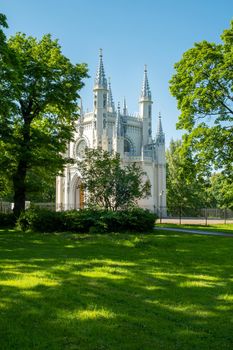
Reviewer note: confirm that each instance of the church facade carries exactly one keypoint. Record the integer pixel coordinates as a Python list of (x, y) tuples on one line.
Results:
[(113, 129)]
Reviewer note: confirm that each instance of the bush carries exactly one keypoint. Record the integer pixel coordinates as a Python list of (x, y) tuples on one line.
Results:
[(87, 220), (7, 220), (41, 220), (80, 221), (135, 220), (138, 220)]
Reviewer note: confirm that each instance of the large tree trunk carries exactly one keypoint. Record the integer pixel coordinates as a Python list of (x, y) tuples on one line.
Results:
[(19, 178), (19, 188)]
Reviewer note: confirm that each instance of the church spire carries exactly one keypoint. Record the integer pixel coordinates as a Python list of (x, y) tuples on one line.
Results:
[(146, 93), (100, 80), (160, 134), (159, 127), (118, 120), (110, 102), (125, 112), (81, 109)]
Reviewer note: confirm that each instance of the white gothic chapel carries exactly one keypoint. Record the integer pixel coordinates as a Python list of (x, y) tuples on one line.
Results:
[(115, 130)]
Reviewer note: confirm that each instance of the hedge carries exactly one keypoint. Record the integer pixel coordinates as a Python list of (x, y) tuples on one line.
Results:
[(87, 220), (7, 220)]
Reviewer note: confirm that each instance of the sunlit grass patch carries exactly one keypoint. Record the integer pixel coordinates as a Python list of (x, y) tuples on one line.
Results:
[(26, 281), (226, 297), (197, 284), (116, 292), (92, 313)]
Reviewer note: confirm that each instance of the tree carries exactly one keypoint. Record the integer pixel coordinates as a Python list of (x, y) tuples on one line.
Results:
[(6, 60), (3, 45), (203, 87), (108, 183), (186, 188), (39, 112), (41, 185), (5, 188), (221, 190)]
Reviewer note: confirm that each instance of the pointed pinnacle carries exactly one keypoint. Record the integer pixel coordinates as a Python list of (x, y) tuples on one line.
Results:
[(100, 80), (146, 93)]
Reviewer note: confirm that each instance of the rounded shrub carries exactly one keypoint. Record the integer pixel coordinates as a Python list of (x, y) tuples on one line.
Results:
[(41, 220), (7, 220), (80, 220)]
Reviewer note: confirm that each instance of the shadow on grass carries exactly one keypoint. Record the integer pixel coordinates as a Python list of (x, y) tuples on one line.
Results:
[(115, 292)]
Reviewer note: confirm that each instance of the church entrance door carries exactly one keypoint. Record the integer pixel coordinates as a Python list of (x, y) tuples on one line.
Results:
[(78, 196), (81, 197)]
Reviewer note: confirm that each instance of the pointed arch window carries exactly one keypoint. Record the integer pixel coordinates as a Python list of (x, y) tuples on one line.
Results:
[(128, 147)]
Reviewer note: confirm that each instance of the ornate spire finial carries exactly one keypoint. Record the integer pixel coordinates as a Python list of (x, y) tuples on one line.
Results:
[(160, 138), (125, 112), (100, 80), (81, 107), (110, 101), (159, 128), (146, 93), (118, 120)]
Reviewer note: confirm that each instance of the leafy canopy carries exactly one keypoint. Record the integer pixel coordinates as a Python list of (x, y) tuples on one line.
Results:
[(203, 87), (108, 183), (221, 190), (38, 112), (185, 185)]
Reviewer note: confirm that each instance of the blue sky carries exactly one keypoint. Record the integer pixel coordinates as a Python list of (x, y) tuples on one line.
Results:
[(131, 33)]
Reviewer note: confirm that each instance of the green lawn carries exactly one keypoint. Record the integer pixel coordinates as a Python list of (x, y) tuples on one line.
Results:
[(225, 228), (157, 291)]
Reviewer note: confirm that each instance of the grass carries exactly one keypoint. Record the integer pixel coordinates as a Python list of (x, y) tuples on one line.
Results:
[(225, 228), (158, 291)]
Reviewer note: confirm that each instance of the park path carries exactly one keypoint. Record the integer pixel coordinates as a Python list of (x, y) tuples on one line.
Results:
[(199, 232)]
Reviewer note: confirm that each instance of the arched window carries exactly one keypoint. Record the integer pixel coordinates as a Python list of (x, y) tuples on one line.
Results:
[(127, 146), (80, 149)]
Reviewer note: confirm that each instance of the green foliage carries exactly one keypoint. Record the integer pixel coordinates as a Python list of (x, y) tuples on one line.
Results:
[(186, 187), (7, 220), (114, 186), (38, 110), (203, 87), (40, 185), (40, 220), (222, 190), (134, 220), (5, 187), (80, 221), (86, 220)]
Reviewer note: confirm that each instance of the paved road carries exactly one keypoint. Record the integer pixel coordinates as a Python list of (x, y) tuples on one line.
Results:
[(194, 221), (207, 233)]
